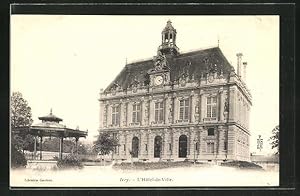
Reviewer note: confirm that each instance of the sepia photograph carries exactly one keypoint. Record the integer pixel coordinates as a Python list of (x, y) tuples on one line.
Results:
[(144, 100)]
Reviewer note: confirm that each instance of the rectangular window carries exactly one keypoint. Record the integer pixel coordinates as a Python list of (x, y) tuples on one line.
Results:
[(114, 135), (124, 147), (115, 115), (184, 107), (211, 107), (136, 113), (159, 111), (170, 147), (146, 147), (225, 145), (211, 131), (210, 147)]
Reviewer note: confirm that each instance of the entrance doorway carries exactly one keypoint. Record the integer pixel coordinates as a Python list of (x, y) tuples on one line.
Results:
[(182, 146), (157, 146), (135, 147)]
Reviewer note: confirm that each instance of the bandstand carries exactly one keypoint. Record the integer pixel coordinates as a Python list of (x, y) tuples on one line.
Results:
[(51, 127)]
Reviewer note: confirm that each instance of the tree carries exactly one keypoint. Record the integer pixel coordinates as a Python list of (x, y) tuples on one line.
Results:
[(20, 117), (105, 143), (275, 139)]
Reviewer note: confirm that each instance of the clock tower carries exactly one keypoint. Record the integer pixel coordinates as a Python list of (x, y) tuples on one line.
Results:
[(160, 74)]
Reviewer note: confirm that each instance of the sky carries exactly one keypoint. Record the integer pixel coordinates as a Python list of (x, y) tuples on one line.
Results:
[(62, 61)]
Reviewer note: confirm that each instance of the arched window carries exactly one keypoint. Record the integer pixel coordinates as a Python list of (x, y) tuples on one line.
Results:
[(135, 147), (182, 146), (157, 146)]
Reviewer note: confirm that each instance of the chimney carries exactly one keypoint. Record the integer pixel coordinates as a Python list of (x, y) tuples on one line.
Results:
[(239, 63), (244, 71)]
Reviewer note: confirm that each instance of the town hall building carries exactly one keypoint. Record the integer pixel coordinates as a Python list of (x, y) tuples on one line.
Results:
[(179, 106)]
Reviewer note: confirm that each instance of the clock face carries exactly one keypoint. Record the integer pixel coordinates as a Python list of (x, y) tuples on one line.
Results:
[(158, 80)]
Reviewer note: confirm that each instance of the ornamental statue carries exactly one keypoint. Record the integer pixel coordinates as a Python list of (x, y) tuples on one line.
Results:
[(160, 61)]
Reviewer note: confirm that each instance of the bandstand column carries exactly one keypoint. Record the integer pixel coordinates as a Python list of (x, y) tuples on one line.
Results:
[(61, 144), (34, 148), (76, 145), (41, 147)]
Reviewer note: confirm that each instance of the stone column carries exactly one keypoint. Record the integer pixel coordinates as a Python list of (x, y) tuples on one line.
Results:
[(175, 108), (105, 124), (201, 106), (142, 110), (125, 144), (109, 117), (166, 109), (175, 145), (202, 141), (128, 114), (151, 110), (192, 151), (231, 103), (101, 114), (162, 150), (192, 107), (221, 105), (148, 143), (121, 112), (166, 143)]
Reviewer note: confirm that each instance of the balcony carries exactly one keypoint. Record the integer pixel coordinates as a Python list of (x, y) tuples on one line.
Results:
[(182, 121), (114, 125), (210, 119), (157, 122), (134, 124)]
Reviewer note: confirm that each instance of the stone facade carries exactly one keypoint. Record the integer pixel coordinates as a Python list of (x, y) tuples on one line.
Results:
[(178, 106)]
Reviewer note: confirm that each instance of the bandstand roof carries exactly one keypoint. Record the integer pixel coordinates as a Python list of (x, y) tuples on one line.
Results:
[(50, 127), (50, 117)]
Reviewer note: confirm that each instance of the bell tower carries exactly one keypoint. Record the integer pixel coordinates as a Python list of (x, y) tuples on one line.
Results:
[(168, 42)]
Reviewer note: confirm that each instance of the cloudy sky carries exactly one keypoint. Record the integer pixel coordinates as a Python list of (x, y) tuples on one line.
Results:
[(62, 62)]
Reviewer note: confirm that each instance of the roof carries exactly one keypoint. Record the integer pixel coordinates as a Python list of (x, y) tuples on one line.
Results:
[(49, 124), (194, 64), (50, 127), (50, 117)]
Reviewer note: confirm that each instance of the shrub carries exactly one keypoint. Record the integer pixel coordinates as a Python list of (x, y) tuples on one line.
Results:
[(242, 165), (70, 161), (17, 158)]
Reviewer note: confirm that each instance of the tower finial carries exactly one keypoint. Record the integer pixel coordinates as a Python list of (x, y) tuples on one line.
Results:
[(50, 111), (218, 41), (126, 61)]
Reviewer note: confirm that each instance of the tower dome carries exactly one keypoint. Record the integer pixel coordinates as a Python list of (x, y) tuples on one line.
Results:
[(168, 42)]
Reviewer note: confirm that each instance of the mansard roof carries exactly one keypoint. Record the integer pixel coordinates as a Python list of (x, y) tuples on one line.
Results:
[(193, 64)]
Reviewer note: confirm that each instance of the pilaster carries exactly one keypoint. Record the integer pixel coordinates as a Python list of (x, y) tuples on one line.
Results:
[(192, 107)]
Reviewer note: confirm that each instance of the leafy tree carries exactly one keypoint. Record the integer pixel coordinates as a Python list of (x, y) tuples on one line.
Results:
[(275, 139), (105, 143), (20, 117)]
